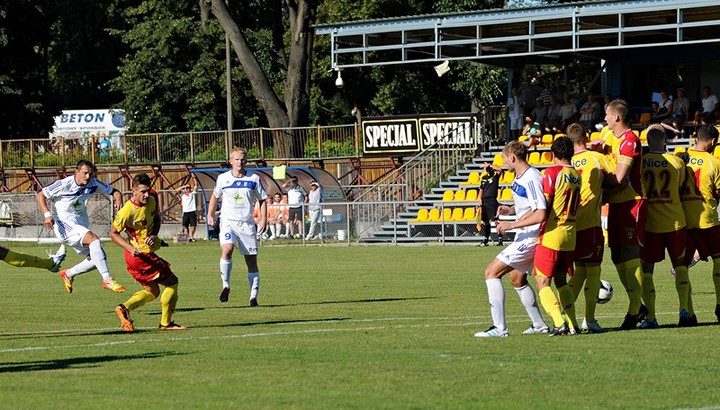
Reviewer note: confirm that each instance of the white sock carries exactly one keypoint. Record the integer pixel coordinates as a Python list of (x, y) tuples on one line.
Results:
[(527, 297), (86, 265), (496, 296), (278, 230), (272, 231), (225, 269), (97, 256), (287, 229), (254, 282)]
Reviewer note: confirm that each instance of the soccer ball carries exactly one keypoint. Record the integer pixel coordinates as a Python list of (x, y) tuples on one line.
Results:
[(606, 292)]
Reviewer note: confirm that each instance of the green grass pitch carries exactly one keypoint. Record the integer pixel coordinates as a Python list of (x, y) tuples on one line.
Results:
[(339, 327)]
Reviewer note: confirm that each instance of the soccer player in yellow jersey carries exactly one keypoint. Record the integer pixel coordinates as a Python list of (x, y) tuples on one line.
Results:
[(663, 176), (140, 220), (628, 209), (554, 252), (590, 242), (700, 202)]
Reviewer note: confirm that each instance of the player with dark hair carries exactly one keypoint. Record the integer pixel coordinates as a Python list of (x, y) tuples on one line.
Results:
[(700, 202), (663, 176), (627, 211), (556, 243), (590, 242), (517, 258), (71, 223), (139, 218)]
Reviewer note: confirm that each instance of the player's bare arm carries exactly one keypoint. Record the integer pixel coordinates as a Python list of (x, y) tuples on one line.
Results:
[(527, 219), (120, 241), (42, 204), (211, 210), (262, 219)]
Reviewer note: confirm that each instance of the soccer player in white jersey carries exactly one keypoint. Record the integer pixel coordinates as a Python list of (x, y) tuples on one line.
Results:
[(240, 192), (71, 222), (517, 259)]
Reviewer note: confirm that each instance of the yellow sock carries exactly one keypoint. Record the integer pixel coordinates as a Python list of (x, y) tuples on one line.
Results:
[(648, 293), (577, 281), (716, 279), (23, 260), (551, 305), (682, 286), (633, 280), (621, 273), (168, 300), (138, 299), (568, 304), (691, 310), (592, 287)]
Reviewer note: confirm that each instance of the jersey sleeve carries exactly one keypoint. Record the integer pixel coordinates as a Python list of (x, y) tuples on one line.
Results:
[(548, 183), (217, 191), (53, 190), (629, 150), (121, 217), (103, 188), (536, 196)]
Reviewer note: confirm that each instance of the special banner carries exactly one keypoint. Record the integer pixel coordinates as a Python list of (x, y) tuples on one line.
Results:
[(391, 135)]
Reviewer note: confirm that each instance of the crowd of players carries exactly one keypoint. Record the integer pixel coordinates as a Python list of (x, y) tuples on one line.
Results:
[(657, 201)]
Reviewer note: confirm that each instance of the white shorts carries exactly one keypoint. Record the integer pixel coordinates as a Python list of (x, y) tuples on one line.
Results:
[(520, 254), (72, 236), (517, 123), (241, 234)]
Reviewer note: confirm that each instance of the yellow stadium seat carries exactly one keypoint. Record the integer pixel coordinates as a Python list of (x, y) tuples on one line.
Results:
[(644, 119), (448, 195), (643, 136), (473, 179), (434, 215), (506, 194), (547, 158), (471, 195), (716, 152), (534, 158), (507, 178), (498, 160), (679, 150), (457, 215), (447, 214), (469, 214), (559, 135), (459, 195), (547, 139), (523, 138), (422, 215)]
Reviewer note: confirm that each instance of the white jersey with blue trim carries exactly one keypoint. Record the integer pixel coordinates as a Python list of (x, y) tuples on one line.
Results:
[(238, 195), (528, 196), (71, 199)]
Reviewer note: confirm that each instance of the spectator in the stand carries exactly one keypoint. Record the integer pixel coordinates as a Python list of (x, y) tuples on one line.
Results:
[(529, 92), (710, 106), (666, 106), (568, 114), (589, 112), (533, 130), (515, 113), (296, 199), (315, 198), (489, 185), (540, 111), (680, 110), (553, 116), (285, 215)]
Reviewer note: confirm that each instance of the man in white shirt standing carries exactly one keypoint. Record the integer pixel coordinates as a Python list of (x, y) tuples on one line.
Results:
[(239, 192), (71, 222), (296, 199), (189, 206), (315, 211)]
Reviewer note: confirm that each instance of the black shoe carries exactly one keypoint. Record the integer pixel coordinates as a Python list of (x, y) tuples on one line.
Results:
[(693, 321), (163, 243), (560, 331), (254, 302), (717, 312), (631, 321)]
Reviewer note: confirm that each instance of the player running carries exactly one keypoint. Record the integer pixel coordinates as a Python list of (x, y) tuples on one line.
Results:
[(71, 224)]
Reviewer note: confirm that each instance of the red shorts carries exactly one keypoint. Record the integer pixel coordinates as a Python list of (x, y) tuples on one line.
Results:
[(653, 251), (589, 245), (147, 267), (705, 241), (549, 262), (626, 222)]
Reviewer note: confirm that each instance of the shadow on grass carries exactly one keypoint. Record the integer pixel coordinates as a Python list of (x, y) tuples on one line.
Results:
[(74, 363), (327, 302), (273, 322), (50, 334)]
